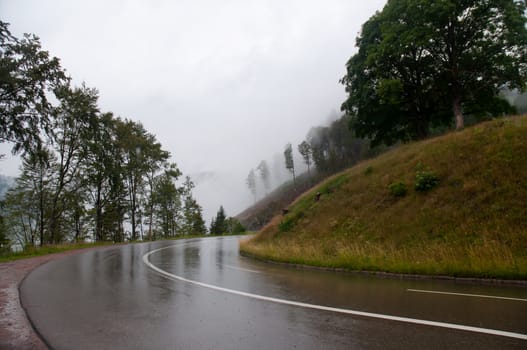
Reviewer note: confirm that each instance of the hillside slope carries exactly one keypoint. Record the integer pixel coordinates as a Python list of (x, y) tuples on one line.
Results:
[(259, 214), (473, 223)]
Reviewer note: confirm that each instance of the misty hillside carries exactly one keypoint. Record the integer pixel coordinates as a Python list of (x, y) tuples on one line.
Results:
[(330, 149), (454, 204), (259, 214)]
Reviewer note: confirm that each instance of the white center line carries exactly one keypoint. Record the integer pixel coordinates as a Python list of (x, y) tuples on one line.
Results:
[(465, 294), (328, 308), (239, 268)]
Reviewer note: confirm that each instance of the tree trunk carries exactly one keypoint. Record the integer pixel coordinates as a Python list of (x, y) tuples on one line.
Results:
[(133, 208), (41, 211), (458, 113), (422, 128), (98, 214)]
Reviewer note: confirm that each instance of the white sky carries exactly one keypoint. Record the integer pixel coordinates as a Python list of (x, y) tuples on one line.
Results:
[(222, 84)]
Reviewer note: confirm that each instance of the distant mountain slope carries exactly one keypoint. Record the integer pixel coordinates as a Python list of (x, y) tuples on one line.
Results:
[(472, 222)]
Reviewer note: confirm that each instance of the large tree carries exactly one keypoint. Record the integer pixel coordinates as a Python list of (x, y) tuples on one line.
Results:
[(26, 204), (142, 156), (304, 148), (74, 117), (263, 169), (167, 203), (193, 223), (425, 63), (104, 178), (218, 225), (27, 77)]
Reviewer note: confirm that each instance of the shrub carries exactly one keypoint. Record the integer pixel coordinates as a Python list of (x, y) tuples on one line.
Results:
[(398, 189), (425, 180), (286, 225)]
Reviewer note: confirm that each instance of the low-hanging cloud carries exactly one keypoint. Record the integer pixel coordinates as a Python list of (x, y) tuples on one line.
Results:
[(222, 84)]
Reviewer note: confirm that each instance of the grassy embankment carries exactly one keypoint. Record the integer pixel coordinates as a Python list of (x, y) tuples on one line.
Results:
[(472, 224)]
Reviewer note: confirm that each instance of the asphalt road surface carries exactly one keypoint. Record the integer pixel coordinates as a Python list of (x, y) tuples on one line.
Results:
[(201, 294)]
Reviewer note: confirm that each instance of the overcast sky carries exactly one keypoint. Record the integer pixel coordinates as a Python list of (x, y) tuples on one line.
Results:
[(223, 84)]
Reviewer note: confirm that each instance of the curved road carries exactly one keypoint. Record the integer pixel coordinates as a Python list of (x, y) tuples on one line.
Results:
[(201, 294)]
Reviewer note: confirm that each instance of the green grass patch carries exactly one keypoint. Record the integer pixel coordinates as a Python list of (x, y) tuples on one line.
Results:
[(31, 252)]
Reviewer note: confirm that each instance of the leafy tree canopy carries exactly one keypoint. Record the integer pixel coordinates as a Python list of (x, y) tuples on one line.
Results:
[(426, 63), (27, 77)]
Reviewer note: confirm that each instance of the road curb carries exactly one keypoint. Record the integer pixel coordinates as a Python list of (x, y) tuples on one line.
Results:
[(467, 280)]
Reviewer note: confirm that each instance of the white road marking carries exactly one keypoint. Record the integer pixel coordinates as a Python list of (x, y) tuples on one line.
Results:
[(328, 308), (465, 294), (239, 268)]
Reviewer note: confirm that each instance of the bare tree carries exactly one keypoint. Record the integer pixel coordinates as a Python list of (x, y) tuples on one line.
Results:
[(251, 183), (264, 175)]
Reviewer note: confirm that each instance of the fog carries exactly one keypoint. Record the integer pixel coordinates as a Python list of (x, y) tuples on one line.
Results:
[(222, 84)]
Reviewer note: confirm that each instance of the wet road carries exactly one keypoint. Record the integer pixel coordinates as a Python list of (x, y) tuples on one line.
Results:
[(201, 294)]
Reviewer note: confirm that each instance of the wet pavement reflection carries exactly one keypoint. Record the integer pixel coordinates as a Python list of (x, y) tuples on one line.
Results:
[(110, 299)]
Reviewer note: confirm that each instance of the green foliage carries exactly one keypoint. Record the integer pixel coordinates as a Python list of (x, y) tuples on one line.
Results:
[(28, 76), (368, 171), (305, 149), (287, 224), (398, 189), (425, 180), (422, 63), (84, 173), (336, 147), (193, 223), (234, 226), (4, 239), (219, 223), (167, 204)]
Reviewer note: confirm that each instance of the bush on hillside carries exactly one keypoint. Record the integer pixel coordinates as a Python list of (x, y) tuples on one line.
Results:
[(425, 180), (398, 189)]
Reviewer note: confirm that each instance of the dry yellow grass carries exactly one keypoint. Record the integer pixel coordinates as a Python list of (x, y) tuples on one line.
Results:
[(474, 223)]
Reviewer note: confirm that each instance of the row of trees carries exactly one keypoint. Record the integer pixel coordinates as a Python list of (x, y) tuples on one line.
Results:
[(329, 148), (265, 178), (221, 224), (84, 173), (429, 64), (326, 149)]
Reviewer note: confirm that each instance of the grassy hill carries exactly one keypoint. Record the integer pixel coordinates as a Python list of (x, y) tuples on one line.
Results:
[(472, 222)]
